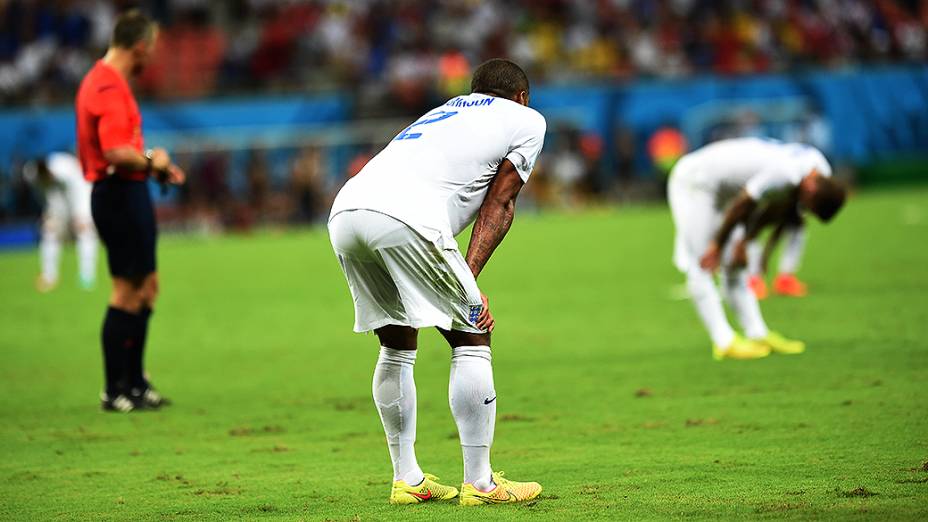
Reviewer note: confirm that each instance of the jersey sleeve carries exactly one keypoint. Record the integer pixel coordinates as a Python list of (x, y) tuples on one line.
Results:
[(115, 123), (526, 145)]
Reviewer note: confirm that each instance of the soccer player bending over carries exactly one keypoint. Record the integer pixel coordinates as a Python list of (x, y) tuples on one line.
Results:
[(714, 196), (67, 201), (393, 226), (110, 146)]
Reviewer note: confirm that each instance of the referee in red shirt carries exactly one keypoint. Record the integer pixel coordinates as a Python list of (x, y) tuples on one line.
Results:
[(110, 146)]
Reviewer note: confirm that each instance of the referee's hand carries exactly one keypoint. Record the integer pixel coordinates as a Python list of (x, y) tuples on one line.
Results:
[(167, 171), (175, 175)]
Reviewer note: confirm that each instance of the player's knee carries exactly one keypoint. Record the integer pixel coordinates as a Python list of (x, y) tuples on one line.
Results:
[(151, 290), (458, 338), (134, 284), (127, 295), (699, 283), (480, 351), (83, 228), (52, 229), (732, 279), (398, 337), (151, 297)]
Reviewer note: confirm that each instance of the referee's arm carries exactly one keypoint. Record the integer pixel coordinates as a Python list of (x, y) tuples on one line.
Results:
[(127, 158), (114, 133), (156, 160)]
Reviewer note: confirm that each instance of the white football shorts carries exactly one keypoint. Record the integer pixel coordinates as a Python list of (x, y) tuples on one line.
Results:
[(696, 218), (67, 205), (397, 277)]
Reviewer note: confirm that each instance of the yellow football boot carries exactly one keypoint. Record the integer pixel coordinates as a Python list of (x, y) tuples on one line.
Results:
[(741, 349), (44, 285), (506, 491), (429, 489), (779, 344)]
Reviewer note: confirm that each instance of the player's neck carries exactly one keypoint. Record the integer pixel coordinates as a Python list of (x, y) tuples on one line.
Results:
[(121, 60)]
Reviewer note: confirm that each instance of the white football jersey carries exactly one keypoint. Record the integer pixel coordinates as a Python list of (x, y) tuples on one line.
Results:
[(68, 194), (434, 175), (66, 173), (759, 166)]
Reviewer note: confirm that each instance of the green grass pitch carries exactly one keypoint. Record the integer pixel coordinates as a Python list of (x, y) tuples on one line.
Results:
[(608, 395)]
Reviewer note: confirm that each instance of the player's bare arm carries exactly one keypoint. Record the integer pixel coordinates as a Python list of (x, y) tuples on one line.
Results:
[(739, 212), (777, 214), (493, 222), (790, 219)]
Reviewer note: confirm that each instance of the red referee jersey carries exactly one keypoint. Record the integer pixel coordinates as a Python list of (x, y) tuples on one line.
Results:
[(107, 118)]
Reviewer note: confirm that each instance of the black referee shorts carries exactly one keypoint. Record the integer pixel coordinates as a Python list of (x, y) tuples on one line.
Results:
[(125, 218)]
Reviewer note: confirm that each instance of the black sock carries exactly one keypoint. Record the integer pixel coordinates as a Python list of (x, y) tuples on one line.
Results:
[(117, 339), (137, 351)]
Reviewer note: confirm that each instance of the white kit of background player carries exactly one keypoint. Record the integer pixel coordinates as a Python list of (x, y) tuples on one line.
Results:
[(393, 228), (60, 179), (704, 190)]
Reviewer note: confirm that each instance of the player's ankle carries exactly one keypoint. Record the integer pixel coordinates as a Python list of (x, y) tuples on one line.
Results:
[(412, 478), (484, 484)]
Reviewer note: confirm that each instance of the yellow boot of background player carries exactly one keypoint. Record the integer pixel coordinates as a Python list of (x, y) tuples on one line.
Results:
[(779, 344), (740, 349)]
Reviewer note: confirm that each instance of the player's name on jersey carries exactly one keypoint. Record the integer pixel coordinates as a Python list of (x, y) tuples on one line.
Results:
[(461, 102)]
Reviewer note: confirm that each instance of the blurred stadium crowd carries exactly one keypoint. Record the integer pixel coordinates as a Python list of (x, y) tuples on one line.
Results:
[(398, 58), (411, 50)]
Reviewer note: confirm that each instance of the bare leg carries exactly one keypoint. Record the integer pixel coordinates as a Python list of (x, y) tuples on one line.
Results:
[(398, 337), (128, 295)]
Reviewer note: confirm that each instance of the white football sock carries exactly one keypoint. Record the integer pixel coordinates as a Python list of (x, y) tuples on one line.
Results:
[(709, 306), (395, 397), (50, 255), (744, 303), (87, 254), (473, 404), (755, 256), (792, 250)]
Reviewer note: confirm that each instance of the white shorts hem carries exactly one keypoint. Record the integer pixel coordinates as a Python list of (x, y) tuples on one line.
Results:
[(444, 323)]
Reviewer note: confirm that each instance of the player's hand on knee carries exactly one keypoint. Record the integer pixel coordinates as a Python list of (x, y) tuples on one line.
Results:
[(712, 258), (485, 320)]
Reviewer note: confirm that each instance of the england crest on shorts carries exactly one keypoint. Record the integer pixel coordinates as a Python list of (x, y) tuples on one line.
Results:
[(475, 312)]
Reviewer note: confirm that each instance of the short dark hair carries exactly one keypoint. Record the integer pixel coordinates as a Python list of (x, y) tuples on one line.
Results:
[(500, 77), (828, 198), (131, 28)]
